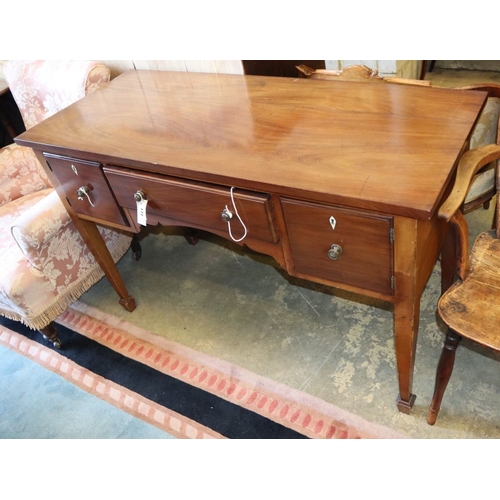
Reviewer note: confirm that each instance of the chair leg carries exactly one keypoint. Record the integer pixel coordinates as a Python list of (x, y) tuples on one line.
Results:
[(443, 373), (136, 247), (50, 333)]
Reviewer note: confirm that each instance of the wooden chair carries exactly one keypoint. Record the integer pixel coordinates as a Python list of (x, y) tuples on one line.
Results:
[(356, 73), (471, 306), (353, 73), (486, 131)]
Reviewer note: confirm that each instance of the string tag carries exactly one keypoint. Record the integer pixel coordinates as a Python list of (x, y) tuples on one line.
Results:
[(239, 218), (141, 212), (88, 198)]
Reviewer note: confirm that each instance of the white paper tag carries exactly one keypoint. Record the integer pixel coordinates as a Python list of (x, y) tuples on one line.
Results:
[(141, 212)]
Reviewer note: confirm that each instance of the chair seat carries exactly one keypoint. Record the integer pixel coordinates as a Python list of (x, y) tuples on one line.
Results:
[(33, 296), (24, 291), (472, 308)]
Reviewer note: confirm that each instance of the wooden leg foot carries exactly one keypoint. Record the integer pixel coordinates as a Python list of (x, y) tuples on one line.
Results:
[(128, 304), (50, 333), (406, 406)]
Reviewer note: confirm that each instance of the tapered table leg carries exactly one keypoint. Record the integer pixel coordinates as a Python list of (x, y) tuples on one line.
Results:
[(100, 251), (406, 308)]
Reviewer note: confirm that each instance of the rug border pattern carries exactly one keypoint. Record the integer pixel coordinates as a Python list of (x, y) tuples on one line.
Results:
[(288, 411), (122, 398)]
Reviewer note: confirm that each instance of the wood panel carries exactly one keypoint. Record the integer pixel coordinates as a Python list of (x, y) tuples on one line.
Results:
[(194, 203), (362, 239), (74, 174)]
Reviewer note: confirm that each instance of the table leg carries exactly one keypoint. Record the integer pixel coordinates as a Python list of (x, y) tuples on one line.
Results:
[(93, 239), (406, 318), (100, 251), (406, 308)]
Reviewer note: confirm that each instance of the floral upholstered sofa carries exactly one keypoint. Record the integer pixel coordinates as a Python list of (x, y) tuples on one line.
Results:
[(44, 263)]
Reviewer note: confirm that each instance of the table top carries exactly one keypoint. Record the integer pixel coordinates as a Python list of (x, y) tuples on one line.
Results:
[(389, 148)]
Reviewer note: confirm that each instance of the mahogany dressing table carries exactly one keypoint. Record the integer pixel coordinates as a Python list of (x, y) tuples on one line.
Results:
[(337, 181)]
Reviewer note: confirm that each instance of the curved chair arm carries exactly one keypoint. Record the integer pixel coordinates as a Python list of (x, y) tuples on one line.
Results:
[(470, 163), (34, 229), (493, 89)]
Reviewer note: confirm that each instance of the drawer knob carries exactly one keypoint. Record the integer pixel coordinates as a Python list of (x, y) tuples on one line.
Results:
[(334, 252), (139, 196), (226, 215), (83, 192)]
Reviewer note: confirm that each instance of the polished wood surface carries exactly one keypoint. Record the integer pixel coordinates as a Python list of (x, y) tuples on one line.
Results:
[(170, 195), (363, 240), (315, 166), (344, 145)]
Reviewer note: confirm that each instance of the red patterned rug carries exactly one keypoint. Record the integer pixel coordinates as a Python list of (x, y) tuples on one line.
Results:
[(184, 392)]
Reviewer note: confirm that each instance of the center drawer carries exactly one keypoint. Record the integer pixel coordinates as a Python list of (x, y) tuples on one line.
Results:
[(195, 203), (342, 245)]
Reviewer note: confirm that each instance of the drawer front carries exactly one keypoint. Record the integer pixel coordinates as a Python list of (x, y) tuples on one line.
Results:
[(74, 174), (354, 248), (195, 203)]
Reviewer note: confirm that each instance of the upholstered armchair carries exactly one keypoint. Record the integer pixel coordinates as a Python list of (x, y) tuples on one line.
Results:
[(45, 264)]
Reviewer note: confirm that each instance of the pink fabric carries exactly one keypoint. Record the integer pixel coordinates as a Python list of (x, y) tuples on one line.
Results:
[(45, 264), (20, 173), (41, 88)]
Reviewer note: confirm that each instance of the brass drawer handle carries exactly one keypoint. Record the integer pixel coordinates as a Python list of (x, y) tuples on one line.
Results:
[(139, 196), (334, 252), (141, 203), (82, 192), (226, 215)]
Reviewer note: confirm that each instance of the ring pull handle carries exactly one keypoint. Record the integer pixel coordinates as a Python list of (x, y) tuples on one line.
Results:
[(139, 196), (334, 252), (226, 215), (141, 203), (84, 192)]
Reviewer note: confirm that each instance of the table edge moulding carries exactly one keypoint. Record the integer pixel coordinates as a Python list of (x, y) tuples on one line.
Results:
[(338, 181)]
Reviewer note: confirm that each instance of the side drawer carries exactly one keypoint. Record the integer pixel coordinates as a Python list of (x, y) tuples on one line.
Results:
[(195, 203), (74, 174), (354, 248)]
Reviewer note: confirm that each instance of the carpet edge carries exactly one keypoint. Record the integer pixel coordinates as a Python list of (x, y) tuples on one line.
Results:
[(305, 413), (120, 397)]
